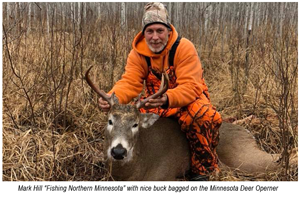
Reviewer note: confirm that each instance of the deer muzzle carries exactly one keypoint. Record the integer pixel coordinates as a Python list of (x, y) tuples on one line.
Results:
[(118, 152)]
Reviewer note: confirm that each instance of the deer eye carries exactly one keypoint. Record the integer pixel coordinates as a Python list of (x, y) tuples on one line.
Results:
[(135, 125), (110, 122)]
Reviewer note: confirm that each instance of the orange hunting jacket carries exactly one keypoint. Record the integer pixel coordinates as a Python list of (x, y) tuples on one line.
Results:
[(188, 70)]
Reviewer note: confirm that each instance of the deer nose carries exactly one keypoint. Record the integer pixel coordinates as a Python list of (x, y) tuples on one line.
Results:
[(118, 152)]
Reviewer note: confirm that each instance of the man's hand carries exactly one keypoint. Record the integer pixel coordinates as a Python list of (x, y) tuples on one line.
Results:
[(154, 103), (104, 104)]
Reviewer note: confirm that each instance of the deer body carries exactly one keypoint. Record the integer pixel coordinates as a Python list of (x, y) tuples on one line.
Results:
[(237, 149), (162, 153)]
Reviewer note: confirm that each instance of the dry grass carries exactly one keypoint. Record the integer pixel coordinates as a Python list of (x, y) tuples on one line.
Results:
[(43, 154), (60, 135)]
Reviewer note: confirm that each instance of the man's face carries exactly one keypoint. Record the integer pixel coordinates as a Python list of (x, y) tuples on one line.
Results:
[(156, 36)]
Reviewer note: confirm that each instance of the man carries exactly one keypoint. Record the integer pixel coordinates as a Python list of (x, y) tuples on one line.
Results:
[(187, 98)]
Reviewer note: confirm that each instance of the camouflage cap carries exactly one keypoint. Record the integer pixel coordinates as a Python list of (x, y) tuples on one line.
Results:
[(155, 13)]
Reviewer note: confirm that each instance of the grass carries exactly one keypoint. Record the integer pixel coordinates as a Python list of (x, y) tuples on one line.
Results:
[(53, 128)]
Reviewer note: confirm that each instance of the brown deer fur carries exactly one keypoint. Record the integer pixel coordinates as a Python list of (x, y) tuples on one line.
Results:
[(237, 149)]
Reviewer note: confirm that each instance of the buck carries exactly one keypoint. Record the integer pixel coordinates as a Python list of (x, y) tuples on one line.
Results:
[(143, 147)]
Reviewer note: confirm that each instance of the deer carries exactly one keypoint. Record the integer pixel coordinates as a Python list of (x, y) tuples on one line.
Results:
[(144, 147)]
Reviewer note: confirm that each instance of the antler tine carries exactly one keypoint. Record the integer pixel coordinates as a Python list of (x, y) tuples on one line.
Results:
[(162, 89), (96, 89)]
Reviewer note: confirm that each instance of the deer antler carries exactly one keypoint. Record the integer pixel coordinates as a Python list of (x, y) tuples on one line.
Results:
[(97, 90), (162, 89)]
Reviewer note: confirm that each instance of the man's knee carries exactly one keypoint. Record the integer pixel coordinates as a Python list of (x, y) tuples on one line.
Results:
[(217, 119), (200, 115), (208, 116)]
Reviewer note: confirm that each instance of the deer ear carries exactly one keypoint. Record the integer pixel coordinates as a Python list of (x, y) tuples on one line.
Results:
[(148, 119)]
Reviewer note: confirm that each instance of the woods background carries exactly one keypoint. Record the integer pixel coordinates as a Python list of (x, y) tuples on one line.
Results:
[(52, 127)]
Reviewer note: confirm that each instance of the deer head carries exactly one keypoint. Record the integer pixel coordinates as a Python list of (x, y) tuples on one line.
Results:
[(125, 121)]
